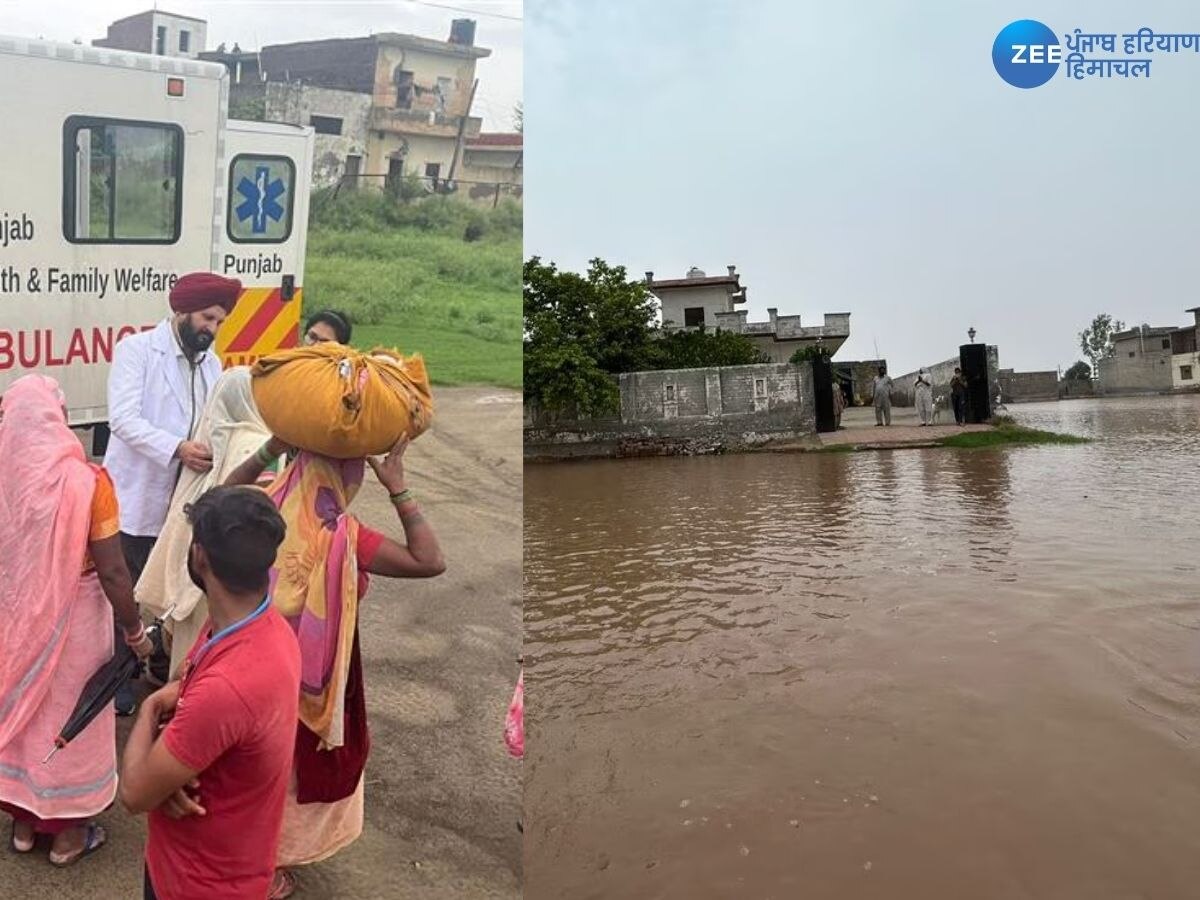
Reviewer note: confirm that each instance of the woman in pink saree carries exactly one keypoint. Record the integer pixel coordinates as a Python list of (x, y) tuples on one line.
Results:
[(61, 569)]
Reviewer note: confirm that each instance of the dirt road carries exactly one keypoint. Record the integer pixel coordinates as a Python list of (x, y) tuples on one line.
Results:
[(443, 796)]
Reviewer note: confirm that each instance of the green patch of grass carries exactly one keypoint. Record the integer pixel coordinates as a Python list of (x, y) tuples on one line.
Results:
[(409, 280), (1008, 434)]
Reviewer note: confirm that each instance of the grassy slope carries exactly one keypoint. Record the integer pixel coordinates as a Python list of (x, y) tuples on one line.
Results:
[(1007, 435), (409, 280)]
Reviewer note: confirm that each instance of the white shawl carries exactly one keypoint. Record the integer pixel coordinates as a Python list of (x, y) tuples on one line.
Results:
[(233, 430)]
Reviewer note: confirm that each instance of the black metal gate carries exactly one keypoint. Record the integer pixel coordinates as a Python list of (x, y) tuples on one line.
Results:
[(823, 388), (973, 360)]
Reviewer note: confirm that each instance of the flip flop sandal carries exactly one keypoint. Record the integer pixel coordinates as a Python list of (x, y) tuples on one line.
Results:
[(20, 846), (94, 838), (283, 885)]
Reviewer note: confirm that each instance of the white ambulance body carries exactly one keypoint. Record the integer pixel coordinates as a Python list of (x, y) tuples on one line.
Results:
[(119, 173)]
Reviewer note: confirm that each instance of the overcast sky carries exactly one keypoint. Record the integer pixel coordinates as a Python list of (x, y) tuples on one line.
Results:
[(866, 157), (253, 23)]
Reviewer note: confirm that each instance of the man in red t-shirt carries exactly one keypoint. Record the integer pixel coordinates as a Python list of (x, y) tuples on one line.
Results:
[(214, 777)]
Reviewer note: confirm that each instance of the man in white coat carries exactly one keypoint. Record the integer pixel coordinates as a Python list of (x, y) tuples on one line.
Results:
[(157, 388)]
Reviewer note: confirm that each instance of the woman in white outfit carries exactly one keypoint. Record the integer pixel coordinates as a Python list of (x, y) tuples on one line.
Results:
[(923, 392)]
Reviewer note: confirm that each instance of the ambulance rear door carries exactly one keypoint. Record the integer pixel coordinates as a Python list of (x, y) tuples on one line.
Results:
[(263, 237)]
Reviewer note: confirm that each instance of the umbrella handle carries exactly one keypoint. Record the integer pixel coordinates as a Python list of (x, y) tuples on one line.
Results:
[(59, 743)]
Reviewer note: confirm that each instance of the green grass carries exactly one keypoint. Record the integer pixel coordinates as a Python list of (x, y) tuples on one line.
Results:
[(409, 279), (1008, 434)]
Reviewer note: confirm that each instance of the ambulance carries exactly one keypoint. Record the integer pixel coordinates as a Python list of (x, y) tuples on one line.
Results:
[(119, 173)]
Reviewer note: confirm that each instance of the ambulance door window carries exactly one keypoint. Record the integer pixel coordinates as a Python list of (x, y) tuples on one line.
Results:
[(261, 190), (122, 181)]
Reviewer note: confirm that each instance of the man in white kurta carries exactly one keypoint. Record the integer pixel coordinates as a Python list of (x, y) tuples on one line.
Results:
[(923, 397), (157, 388), (881, 396)]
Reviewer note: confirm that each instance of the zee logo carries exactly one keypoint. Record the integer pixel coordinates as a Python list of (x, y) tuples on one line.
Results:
[(1026, 54), (1037, 53)]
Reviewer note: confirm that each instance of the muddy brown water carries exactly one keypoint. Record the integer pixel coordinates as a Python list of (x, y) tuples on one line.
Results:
[(908, 674)]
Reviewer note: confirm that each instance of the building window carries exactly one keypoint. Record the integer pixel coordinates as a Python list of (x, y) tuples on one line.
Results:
[(185, 41), (261, 190), (1132, 354), (1166, 344), (405, 89), (122, 181), (325, 124), (693, 316), (760, 387), (1185, 373), (670, 393), (160, 41), (432, 171)]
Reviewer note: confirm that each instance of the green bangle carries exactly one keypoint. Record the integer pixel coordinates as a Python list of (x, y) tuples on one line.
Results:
[(264, 456), (401, 496)]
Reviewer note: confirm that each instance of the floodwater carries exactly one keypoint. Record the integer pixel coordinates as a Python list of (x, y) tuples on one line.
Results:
[(909, 674)]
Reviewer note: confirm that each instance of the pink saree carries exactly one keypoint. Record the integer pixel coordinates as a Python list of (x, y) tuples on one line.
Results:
[(57, 624)]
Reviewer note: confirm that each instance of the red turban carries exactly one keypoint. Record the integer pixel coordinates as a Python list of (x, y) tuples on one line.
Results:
[(200, 290)]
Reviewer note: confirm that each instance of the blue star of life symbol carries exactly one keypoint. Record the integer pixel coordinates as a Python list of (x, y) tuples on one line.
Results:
[(262, 199)]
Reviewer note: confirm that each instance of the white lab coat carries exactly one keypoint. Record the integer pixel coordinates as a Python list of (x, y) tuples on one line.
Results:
[(149, 412)]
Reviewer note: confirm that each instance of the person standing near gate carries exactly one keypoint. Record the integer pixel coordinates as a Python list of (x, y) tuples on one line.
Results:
[(923, 397), (881, 393), (157, 388), (958, 397)]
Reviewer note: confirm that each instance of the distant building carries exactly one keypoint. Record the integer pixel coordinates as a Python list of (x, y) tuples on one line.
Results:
[(702, 301), (157, 32), (492, 157), (242, 64), (385, 108), (1152, 360)]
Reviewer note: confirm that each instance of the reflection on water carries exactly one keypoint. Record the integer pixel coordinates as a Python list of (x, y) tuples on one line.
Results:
[(927, 673)]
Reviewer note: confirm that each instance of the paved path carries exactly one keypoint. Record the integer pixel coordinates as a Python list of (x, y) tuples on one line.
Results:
[(443, 796), (859, 429)]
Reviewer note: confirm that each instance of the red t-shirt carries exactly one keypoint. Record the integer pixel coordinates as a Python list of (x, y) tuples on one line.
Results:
[(236, 726)]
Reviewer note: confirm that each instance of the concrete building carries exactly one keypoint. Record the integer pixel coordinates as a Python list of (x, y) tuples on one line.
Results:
[(341, 120), (1147, 360), (493, 158), (1185, 355), (157, 32), (243, 65), (385, 107), (700, 301)]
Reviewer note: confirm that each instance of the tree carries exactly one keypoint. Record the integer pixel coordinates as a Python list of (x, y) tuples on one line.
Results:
[(579, 331), (811, 353), (248, 108), (1096, 340), (1081, 371), (703, 349)]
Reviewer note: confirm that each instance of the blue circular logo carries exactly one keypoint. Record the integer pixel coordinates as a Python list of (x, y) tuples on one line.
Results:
[(1026, 54)]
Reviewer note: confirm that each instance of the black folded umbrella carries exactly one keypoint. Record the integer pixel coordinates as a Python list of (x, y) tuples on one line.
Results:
[(100, 690)]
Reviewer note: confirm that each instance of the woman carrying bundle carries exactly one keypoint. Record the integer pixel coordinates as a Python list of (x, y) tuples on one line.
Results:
[(322, 575)]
